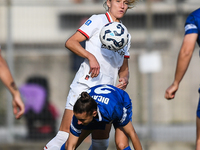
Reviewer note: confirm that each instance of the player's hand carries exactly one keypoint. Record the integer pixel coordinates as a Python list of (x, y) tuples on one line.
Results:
[(123, 82), (171, 91), (18, 106), (94, 67)]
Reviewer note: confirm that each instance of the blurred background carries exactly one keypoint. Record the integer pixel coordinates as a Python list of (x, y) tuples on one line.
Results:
[(33, 35)]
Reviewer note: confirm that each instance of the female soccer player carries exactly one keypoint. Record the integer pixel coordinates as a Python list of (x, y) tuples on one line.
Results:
[(101, 66), (192, 35), (102, 104)]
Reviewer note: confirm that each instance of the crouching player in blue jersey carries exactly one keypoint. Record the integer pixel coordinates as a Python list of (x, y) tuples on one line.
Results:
[(192, 35), (95, 108)]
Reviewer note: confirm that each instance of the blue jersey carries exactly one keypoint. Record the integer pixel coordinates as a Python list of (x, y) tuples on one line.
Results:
[(113, 106), (192, 24)]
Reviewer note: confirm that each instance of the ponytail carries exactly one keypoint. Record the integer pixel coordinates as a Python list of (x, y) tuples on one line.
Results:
[(85, 103)]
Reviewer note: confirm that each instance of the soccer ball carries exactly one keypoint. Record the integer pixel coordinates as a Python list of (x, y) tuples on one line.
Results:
[(114, 36)]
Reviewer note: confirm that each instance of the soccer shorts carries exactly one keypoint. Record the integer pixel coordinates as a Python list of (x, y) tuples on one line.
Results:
[(127, 113), (72, 98), (82, 82)]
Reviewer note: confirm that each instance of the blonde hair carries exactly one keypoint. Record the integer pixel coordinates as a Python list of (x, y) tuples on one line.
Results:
[(131, 4)]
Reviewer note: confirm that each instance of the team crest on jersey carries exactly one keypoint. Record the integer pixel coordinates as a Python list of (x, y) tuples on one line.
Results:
[(88, 22)]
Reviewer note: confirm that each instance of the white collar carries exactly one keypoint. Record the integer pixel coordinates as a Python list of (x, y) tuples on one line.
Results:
[(109, 17)]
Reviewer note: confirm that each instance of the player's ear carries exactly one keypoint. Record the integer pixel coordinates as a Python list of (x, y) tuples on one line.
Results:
[(108, 3), (94, 114)]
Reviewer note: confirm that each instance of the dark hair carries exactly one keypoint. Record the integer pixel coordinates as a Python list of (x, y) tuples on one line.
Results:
[(85, 103)]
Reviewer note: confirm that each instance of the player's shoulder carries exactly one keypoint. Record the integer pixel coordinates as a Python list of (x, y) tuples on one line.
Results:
[(193, 20), (98, 15), (196, 13), (193, 16), (97, 18)]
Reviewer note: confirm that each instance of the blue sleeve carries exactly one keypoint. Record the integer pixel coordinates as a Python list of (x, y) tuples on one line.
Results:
[(75, 128), (190, 25)]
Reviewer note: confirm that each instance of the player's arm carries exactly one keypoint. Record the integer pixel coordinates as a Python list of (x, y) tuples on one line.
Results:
[(130, 131), (123, 75), (73, 44), (183, 61), (7, 79), (71, 142)]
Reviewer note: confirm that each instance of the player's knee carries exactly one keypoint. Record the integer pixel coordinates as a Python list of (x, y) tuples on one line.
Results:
[(122, 146), (99, 144)]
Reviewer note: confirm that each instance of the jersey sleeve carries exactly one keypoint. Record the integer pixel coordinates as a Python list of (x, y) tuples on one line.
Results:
[(90, 26), (190, 25), (75, 128)]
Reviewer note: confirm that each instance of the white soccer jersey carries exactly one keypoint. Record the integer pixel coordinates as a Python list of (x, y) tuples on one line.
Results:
[(91, 30), (110, 61)]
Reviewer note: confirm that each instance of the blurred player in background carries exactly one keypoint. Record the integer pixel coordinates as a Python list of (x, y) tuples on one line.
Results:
[(8, 81), (192, 35), (102, 104), (101, 66)]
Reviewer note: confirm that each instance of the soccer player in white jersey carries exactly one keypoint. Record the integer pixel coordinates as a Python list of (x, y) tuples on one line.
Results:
[(101, 66), (95, 108)]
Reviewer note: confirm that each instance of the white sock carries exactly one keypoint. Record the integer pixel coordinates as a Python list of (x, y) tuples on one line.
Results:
[(99, 144), (57, 141)]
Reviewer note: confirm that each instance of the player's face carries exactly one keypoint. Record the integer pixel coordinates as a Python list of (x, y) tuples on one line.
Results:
[(117, 8), (83, 118)]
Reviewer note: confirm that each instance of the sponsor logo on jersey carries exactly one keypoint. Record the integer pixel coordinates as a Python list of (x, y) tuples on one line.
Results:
[(121, 52), (88, 22)]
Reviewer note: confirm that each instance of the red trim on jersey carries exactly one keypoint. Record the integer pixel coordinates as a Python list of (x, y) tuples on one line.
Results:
[(84, 33), (108, 17), (125, 56)]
